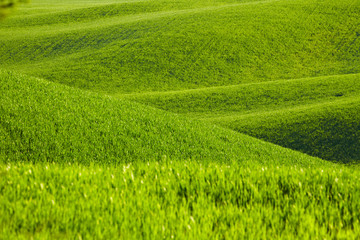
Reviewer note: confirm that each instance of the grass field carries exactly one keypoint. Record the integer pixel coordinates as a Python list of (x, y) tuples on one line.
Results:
[(188, 44), (47, 122), (210, 119), (318, 116), (178, 200)]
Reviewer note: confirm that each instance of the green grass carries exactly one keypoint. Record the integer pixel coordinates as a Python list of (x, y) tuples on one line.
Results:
[(317, 116), (46, 122), (86, 11), (147, 140), (63, 174), (184, 46), (329, 131), (178, 200), (208, 103), (203, 59)]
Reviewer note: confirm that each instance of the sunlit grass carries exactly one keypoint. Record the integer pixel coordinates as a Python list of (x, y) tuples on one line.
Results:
[(178, 200), (47, 122), (318, 116), (155, 147), (172, 46)]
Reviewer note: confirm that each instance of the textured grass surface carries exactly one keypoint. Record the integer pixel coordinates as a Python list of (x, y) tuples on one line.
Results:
[(42, 121), (178, 200), (228, 101), (330, 130), (167, 46), (238, 55), (80, 164), (318, 116)]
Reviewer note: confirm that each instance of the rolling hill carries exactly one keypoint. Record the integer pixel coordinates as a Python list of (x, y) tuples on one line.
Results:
[(318, 116), (212, 60), (47, 122), (139, 119), (160, 45)]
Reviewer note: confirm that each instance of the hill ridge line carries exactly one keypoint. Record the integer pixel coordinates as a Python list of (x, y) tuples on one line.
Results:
[(330, 102), (227, 86)]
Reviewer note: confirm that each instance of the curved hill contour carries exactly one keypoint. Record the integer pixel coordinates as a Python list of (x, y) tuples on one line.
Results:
[(166, 46), (153, 115), (42, 121), (318, 116), (222, 61)]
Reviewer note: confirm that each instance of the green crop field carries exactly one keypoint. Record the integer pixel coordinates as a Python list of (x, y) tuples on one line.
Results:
[(160, 119)]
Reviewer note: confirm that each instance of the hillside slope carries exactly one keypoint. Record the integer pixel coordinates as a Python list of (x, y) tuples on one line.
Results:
[(318, 116), (211, 60), (329, 130), (157, 46), (162, 154), (42, 121)]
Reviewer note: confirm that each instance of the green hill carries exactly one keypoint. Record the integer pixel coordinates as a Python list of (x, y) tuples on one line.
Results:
[(216, 46), (329, 130), (47, 122), (162, 45), (213, 102), (130, 119), (318, 116), (226, 49)]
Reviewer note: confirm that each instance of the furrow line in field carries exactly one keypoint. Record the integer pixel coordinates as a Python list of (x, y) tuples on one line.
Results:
[(348, 101), (214, 88)]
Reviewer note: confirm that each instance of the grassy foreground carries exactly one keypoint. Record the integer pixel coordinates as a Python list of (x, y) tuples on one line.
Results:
[(178, 200)]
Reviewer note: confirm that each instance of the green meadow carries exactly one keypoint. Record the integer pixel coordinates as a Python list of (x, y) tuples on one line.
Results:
[(209, 119)]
